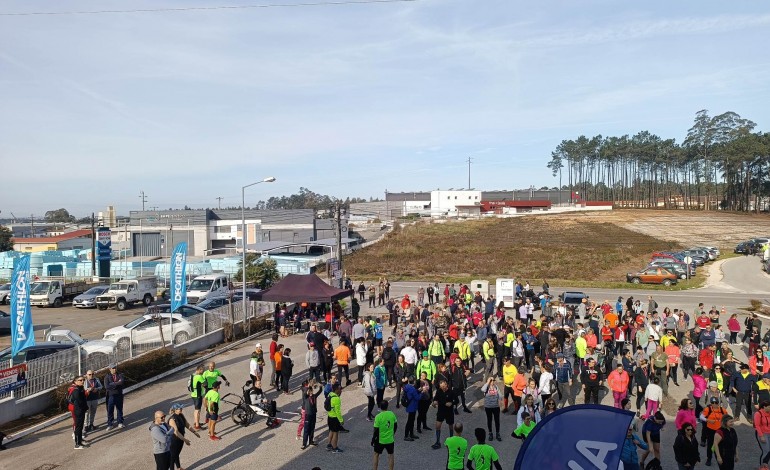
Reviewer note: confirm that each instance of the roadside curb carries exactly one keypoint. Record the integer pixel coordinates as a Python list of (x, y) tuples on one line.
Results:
[(57, 419)]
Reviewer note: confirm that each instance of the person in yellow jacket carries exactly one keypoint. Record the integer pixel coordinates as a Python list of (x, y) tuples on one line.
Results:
[(334, 420), (436, 349), (509, 374), (426, 365), (491, 357), (464, 351)]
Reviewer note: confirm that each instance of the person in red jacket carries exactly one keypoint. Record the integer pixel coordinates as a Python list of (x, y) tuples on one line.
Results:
[(273, 347), (762, 428), (706, 358), (618, 382), (758, 363)]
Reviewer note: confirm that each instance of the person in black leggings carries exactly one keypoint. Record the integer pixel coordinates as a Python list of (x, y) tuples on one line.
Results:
[(179, 425), (426, 390), (492, 399)]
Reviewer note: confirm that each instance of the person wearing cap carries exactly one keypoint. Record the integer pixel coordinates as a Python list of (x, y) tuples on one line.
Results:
[(762, 389), (712, 416), (742, 385), (179, 425), (762, 429), (426, 365), (113, 383), (92, 386)]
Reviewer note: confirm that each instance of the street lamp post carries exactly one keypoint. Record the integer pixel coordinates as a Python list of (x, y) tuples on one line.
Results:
[(269, 179)]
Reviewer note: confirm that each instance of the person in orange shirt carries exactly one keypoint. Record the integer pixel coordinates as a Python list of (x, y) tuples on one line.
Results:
[(342, 355), (674, 358), (618, 382), (519, 384), (591, 339), (278, 358), (612, 318)]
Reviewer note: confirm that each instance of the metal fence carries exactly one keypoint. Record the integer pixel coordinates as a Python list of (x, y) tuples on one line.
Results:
[(48, 372)]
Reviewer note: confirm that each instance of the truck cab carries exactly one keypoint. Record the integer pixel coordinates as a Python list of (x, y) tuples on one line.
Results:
[(128, 292), (52, 292), (209, 285)]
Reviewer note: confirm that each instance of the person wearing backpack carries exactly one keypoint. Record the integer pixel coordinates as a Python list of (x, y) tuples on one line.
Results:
[(78, 406), (712, 416), (726, 444), (196, 387), (333, 405)]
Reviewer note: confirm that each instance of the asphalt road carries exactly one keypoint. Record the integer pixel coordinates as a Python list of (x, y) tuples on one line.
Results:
[(240, 447)]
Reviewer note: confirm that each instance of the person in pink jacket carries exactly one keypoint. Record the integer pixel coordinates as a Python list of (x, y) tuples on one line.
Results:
[(686, 414), (762, 427), (698, 389), (734, 327), (618, 382)]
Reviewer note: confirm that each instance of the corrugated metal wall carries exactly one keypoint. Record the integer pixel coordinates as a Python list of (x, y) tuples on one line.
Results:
[(146, 244)]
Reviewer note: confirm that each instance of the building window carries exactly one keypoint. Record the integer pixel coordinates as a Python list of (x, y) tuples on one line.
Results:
[(455, 197), (450, 197)]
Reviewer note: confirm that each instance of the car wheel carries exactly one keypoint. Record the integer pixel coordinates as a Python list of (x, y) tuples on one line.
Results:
[(181, 337), (147, 300), (57, 302), (666, 282), (124, 343), (97, 361), (241, 416), (100, 307), (635, 280), (121, 305)]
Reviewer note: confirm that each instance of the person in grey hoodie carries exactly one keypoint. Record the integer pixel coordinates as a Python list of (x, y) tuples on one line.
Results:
[(313, 363), (92, 386), (161, 434)]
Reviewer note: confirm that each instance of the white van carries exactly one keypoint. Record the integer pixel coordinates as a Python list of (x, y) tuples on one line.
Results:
[(505, 291), (209, 285)]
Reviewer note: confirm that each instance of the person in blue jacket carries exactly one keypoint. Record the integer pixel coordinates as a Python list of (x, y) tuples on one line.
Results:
[(413, 398), (629, 455)]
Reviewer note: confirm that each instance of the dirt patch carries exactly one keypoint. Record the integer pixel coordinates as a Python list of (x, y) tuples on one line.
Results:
[(569, 246)]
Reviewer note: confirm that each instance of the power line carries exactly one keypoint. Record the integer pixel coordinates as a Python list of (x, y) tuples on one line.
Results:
[(221, 7)]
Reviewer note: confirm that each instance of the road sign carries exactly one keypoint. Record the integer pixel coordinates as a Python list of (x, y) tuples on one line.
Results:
[(688, 259)]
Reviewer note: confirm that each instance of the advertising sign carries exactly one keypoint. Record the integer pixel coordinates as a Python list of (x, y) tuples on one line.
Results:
[(178, 284), (103, 244), (13, 378), (22, 334)]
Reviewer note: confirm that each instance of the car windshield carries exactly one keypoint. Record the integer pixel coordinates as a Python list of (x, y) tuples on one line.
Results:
[(134, 323), (39, 288), (95, 291), (201, 284), (117, 287)]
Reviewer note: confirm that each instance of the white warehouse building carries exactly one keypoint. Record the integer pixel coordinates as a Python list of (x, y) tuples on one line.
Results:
[(444, 203)]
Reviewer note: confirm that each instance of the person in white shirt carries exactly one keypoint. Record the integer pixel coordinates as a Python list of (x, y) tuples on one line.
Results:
[(410, 358), (361, 350), (654, 395)]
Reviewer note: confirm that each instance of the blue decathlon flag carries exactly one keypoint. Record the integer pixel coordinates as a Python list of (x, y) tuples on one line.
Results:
[(580, 437), (178, 285), (22, 334)]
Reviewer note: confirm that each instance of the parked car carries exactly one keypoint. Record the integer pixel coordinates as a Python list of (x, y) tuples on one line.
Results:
[(5, 293), (672, 255), (88, 298), (703, 253), (680, 269), (185, 310), (572, 298), (35, 351), (98, 351), (5, 322), (654, 275), (216, 302), (146, 330), (746, 248), (712, 252)]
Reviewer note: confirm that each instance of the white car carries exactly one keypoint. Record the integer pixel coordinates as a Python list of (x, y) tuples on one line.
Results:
[(98, 351), (145, 330), (5, 293)]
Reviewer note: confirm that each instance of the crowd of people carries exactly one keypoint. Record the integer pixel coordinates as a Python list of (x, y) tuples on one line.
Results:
[(526, 362)]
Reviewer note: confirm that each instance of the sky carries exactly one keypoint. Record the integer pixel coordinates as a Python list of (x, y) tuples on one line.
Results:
[(348, 100)]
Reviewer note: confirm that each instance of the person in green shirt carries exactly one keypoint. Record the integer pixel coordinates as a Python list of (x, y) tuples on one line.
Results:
[(212, 374), (211, 402), (482, 455), (334, 419), (426, 365), (197, 384), (385, 426), (456, 446), (527, 425)]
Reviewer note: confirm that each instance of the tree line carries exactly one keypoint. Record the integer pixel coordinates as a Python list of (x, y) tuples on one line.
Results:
[(721, 164)]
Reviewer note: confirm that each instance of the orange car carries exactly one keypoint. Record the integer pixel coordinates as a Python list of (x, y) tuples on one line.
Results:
[(653, 275)]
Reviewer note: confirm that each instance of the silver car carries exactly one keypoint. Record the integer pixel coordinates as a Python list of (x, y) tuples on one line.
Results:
[(88, 298), (5, 293)]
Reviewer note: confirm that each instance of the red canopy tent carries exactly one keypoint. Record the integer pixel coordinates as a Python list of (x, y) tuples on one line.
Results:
[(303, 288)]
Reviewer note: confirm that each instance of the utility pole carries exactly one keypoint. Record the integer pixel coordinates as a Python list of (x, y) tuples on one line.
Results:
[(219, 202), (143, 198), (339, 241), (93, 246), (469, 173)]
